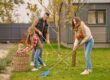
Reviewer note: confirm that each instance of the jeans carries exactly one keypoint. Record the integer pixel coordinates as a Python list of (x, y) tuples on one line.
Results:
[(37, 58), (33, 53), (40, 46), (88, 48)]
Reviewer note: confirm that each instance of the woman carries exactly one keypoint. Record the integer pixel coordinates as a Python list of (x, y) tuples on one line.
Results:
[(83, 36)]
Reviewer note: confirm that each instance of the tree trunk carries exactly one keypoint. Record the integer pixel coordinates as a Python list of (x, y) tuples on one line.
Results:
[(61, 21), (59, 24), (74, 58)]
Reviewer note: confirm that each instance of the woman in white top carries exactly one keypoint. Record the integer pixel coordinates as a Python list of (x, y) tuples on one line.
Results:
[(83, 36)]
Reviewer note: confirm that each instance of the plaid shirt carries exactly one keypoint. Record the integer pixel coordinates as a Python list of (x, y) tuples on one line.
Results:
[(35, 41)]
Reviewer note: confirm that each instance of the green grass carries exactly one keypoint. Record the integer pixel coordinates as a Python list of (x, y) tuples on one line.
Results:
[(64, 71)]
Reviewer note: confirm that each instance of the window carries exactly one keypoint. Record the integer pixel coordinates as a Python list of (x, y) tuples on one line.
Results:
[(91, 17), (96, 17)]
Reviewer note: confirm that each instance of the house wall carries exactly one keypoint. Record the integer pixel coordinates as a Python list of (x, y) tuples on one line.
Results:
[(101, 33), (102, 30), (67, 34)]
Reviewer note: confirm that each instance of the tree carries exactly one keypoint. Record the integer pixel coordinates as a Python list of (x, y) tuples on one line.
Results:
[(61, 13), (33, 9), (56, 10), (6, 8)]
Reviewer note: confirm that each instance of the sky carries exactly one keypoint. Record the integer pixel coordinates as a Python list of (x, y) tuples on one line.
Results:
[(20, 11)]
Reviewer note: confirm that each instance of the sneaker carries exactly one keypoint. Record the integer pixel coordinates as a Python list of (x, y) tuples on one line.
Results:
[(34, 69), (32, 63), (90, 70), (85, 72), (44, 65)]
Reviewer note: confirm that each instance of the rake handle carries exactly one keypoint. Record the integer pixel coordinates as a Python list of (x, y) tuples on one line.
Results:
[(59, 61)]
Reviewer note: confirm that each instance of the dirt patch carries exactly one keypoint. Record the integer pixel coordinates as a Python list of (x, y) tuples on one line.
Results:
[(3, 53), (4, 49), (6, 74)]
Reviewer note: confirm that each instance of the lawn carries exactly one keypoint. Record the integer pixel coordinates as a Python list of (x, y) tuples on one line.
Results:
[(64, 71)]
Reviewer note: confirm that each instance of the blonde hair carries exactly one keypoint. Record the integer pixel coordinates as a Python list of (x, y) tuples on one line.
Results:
[(30, 35)]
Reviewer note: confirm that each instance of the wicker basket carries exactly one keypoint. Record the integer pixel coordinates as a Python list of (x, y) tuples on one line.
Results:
[(20, 62)]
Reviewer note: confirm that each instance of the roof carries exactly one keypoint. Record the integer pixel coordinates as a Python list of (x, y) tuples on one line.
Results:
[(91, 1)]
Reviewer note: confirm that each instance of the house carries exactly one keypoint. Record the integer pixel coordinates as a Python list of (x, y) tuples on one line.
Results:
[(96, 14)]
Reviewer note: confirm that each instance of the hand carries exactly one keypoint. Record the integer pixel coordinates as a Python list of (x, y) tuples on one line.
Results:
[(74, 49), (40, 33), (48, 42), (26, 49)]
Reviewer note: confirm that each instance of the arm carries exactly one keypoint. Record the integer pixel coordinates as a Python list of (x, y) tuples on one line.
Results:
[(34, 26), (87, 34), (27, 49), (33, 45), (84, 40), (76, 43), (47, 37), (47, 33)]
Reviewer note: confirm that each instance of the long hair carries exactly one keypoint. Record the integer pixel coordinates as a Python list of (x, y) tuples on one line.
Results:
[(30, 34), (78, 22), (23, 39)]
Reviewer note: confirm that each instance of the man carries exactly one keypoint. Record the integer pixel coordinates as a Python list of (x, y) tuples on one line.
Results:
[(41, 28)]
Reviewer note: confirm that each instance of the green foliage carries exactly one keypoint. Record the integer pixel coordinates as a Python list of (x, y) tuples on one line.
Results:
[(18, 1), (34, 11), (6, 8), (54, 6), (3, 64)]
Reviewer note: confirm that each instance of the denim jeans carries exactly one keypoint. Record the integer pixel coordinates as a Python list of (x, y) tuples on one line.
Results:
[(38, 46), (88, 48), (33, 53), (37, 58)]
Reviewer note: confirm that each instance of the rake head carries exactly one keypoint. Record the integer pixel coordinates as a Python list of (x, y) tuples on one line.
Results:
[(44, 74)]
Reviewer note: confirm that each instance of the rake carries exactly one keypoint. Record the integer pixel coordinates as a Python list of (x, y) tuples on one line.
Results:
[(46, 73)]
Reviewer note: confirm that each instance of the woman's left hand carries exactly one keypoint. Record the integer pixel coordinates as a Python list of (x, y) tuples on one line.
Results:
[(75, 48)]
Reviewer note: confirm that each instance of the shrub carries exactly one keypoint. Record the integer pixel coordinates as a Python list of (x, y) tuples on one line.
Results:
[(7, 60), (3, 64)]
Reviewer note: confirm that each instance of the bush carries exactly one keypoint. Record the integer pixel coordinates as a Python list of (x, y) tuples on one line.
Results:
[(3, 64)]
